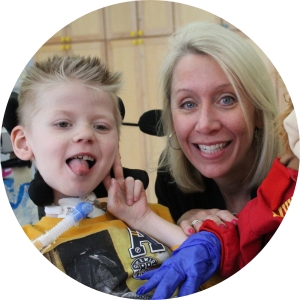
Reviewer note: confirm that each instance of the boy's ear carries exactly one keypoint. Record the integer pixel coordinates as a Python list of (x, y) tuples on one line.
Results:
[(19, 143)]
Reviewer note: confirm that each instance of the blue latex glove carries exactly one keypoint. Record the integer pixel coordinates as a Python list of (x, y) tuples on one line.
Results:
[(191, 264)]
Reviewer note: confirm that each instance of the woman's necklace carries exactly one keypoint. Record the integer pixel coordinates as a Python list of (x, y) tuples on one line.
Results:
[(228, 204)]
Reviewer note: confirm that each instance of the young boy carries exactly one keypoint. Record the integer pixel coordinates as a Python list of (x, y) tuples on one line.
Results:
[(69, 126)]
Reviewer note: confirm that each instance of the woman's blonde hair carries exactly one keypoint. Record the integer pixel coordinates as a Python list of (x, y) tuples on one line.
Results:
[(90, 72), (248, 76)]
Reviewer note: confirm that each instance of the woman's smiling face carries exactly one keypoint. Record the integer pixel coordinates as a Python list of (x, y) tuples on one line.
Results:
[(208, 119)]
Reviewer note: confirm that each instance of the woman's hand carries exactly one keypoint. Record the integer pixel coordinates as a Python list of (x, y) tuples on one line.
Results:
[(198, 216)]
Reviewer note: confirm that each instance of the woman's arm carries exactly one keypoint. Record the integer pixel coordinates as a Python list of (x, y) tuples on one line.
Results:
[(187, 207), (198, 216)]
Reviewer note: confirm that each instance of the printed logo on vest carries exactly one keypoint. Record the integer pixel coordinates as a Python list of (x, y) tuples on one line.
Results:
[(137, 241), (142, 265)]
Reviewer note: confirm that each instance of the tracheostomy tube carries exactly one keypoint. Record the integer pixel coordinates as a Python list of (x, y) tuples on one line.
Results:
[(80, 212)]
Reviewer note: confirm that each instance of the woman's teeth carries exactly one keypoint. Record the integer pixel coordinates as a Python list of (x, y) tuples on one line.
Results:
[(212, 148)]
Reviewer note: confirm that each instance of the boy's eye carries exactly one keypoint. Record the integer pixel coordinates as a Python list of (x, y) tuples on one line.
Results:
[(63, 124), (100, 127)]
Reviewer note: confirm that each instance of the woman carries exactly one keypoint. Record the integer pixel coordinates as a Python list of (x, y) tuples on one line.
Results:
[(218, 111)]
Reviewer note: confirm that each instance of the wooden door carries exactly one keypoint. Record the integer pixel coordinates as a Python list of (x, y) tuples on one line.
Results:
[(92, 49), (155, 18), (58, 36), (49, 50), (89, 27), (121, 20), (184, 14), (123, 55), (153, 51)]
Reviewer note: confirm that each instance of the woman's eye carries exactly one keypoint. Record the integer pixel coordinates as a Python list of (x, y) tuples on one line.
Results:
[(228, 100), (63, 124), (188, 105)]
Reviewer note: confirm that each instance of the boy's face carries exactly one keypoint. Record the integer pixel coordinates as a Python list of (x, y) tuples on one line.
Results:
[(73, 138)]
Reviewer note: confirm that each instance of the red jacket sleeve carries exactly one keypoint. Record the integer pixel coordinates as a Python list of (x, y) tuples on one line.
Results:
[(262, 216), (229, 238), (257, 222)]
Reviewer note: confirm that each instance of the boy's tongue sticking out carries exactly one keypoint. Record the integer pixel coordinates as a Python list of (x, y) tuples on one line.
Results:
[(79, 166)]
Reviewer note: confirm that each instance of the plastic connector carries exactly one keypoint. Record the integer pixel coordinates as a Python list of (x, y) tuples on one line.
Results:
[(43, 242)]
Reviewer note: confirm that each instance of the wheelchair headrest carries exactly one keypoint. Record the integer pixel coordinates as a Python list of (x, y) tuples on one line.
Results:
[(41, 193), (10, 119), (150, 122)]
